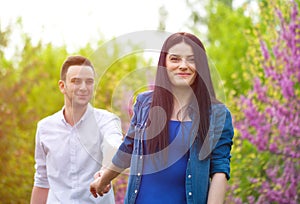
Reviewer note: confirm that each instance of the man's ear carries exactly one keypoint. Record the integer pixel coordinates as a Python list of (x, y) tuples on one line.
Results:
[(61, 85)]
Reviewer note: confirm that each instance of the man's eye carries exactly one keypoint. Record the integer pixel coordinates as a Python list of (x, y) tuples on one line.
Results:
[(89, 82), (77, 81)]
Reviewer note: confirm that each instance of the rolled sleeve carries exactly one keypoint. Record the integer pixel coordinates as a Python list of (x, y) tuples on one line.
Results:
[(122, 159), (40, 176), (220, 157)]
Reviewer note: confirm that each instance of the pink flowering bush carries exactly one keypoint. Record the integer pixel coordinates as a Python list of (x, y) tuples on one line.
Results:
[(120, 186), (271, 116)]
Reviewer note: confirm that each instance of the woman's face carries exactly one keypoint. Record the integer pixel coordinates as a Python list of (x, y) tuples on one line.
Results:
[(180, 65)]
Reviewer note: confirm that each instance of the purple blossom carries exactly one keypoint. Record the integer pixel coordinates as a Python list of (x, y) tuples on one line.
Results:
[(273, 147), (271, 114), (264, 50)]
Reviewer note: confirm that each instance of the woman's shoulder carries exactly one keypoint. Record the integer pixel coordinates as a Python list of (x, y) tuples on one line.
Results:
[(220, 111), (219, 107), (145, 97), (221, 115)]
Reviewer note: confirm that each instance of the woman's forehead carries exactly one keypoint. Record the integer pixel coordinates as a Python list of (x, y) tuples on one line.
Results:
[(181, 49)]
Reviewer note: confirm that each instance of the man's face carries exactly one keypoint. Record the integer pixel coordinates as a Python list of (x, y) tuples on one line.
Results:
[(79, 85)]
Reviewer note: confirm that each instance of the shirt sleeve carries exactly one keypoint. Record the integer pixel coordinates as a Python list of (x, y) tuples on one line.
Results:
[(40, 176), (112, 138), (220, 156)]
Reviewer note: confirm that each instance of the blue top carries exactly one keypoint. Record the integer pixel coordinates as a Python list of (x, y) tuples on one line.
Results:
[(205, 157), (167, 184)]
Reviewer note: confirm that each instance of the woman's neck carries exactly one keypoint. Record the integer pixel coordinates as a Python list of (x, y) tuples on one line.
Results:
[(181, 99)]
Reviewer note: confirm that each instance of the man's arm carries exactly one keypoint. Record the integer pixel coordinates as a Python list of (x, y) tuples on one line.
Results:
[(39, 195)]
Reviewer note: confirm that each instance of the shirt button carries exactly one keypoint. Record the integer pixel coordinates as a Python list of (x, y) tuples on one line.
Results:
[(190, 176), (135, 191), (141, 157), (139, 174), (190, 193)]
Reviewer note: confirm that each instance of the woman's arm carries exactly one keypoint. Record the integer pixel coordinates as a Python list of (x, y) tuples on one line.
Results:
[(220, 156), (101, 185), (217, 189)]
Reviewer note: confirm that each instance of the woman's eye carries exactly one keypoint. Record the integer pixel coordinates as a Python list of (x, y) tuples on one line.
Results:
[(174, 59), (191, 60)]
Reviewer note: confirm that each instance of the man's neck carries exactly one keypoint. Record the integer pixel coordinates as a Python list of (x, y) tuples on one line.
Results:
[(73, 114)]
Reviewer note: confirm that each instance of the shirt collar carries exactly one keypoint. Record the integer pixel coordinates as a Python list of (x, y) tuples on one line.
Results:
[(88, 111)]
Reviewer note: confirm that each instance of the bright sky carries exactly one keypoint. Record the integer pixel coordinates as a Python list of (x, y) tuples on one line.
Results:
[(76, 22)]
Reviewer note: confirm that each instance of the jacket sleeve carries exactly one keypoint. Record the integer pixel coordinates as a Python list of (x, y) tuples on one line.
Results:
[(223, 134), (122, 158)]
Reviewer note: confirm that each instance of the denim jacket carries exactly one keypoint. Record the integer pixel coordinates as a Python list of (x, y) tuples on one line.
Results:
[(202, 162)]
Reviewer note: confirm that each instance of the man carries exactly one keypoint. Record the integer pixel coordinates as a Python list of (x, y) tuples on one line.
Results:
[(72, 143)]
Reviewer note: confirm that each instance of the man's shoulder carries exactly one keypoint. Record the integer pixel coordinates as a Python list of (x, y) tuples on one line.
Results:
[(103, 112), (51, 118)]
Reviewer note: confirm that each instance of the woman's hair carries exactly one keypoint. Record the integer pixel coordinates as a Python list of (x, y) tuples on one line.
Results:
[(71, 61), (202, 87)]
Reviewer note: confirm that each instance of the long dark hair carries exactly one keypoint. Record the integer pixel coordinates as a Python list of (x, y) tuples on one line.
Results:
[(202, 87)]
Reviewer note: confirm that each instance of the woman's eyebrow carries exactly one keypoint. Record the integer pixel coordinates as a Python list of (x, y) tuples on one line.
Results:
[(176, 55)]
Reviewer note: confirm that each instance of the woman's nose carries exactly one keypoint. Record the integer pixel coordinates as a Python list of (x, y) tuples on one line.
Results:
[(183, 64)]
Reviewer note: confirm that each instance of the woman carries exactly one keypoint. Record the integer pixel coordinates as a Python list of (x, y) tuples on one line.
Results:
[(178, 145)]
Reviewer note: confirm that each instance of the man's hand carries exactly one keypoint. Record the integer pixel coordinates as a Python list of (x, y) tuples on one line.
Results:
[(97, 187), (98, 174)]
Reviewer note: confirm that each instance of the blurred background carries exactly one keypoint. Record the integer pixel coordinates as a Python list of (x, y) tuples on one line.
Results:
[(254, 52)]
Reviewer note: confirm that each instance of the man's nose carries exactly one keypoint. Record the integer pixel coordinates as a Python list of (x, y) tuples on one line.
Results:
[(83, 85)]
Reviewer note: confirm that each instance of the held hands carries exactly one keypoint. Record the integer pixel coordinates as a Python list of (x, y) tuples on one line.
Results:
[(97, 187)]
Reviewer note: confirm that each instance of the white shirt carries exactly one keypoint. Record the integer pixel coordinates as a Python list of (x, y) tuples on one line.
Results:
[(67, 157)]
